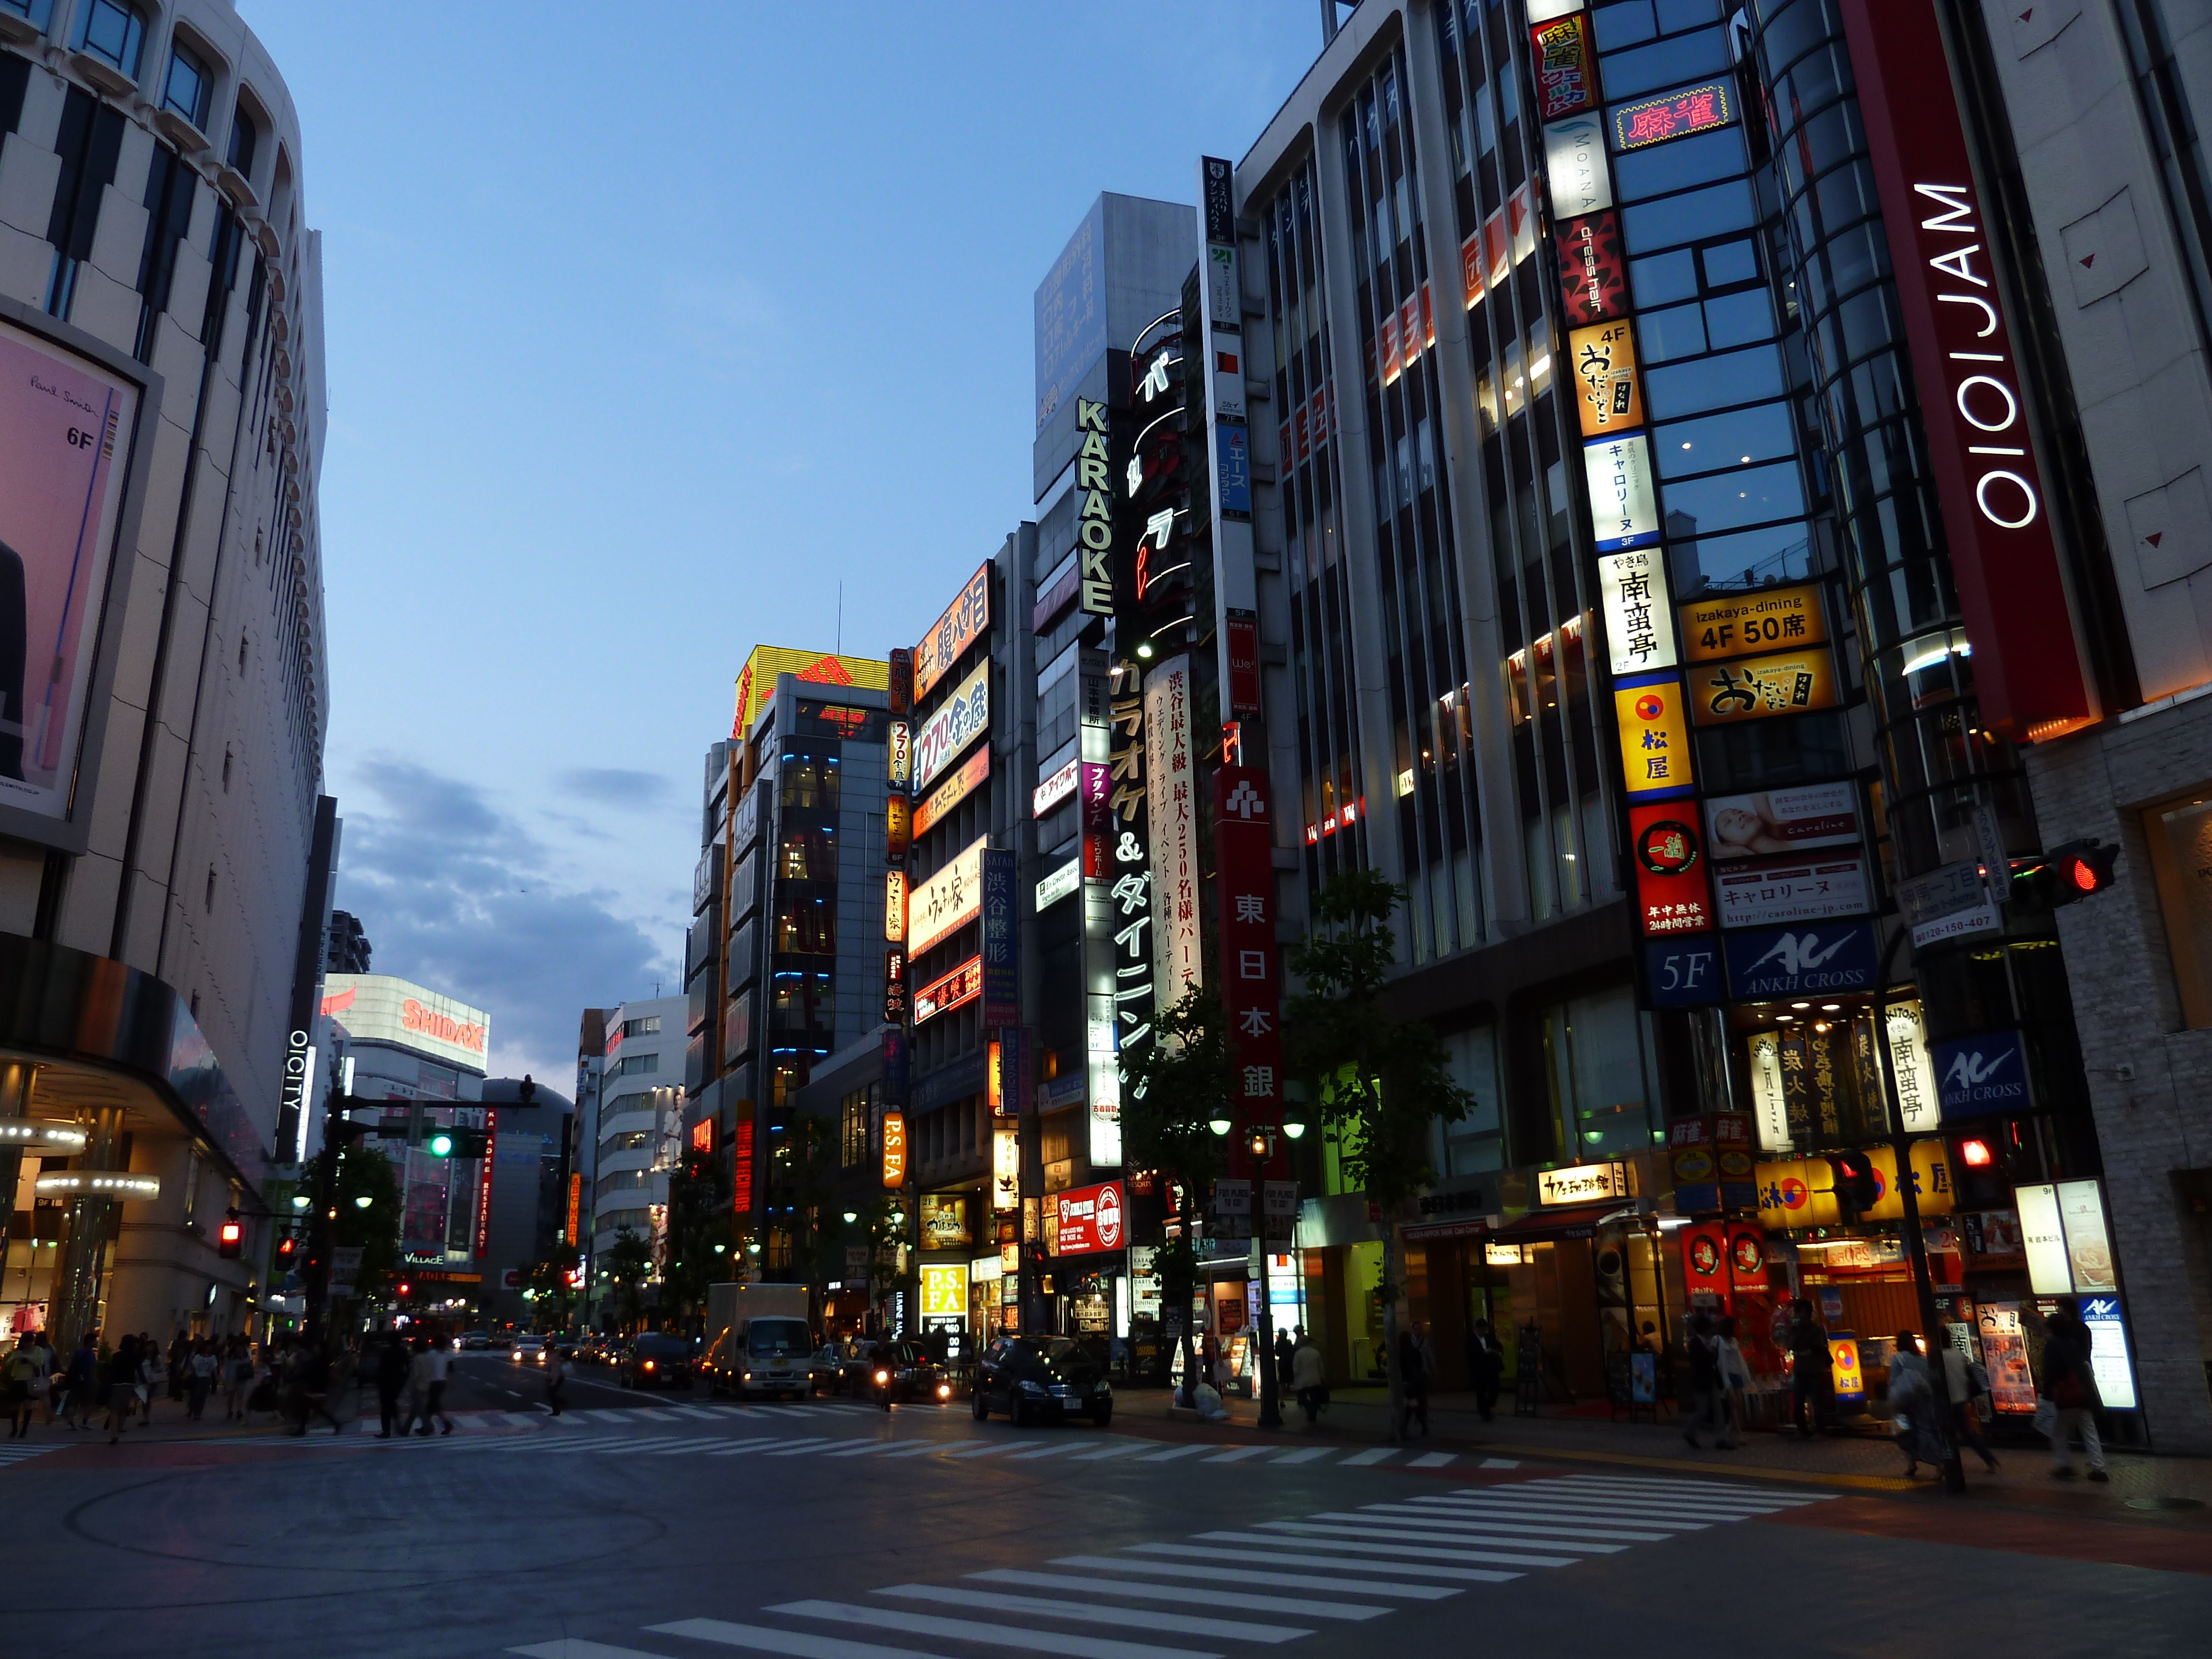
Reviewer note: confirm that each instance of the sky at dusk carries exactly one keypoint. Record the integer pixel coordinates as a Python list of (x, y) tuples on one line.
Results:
[(646, 328)]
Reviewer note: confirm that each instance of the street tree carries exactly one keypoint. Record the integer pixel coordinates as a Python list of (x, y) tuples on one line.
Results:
[(1171, 1093), (1381, 1085), (548, 1284), (629, 1265), (699, 1218), (373, 1227)]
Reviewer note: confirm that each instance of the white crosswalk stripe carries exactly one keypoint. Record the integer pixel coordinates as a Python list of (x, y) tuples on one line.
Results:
[(1214, 1596), (805, 1644), (1086, 1612), (23, 1450), (1212, 1575), (1377, 1541), (981, 1632)]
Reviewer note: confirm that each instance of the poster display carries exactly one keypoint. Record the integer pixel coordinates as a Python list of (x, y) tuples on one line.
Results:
[(1602, 359), (1171, 811), (943, 1220), (1089, 1220), (1623, 504), (1782, 821), (1592, 268), (965, 716), (1768, 892), (2004, 1357)]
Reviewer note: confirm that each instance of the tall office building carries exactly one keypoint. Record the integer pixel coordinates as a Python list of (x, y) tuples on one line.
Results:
[(163, 691), (1721, 572)]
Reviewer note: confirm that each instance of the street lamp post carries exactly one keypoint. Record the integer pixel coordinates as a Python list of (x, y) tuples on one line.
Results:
[(1264, 1140)]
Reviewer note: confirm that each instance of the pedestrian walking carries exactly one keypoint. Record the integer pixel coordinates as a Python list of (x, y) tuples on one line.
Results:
[(314, 1385), (81, 1380), (1487, 1367), (556, 1376), (1913, 1417), (1735, 1380), (1811, 1379), (418, 1388), (177, 1370), (237, 1379), (1969, 1386), (122, 1384), (1287, 1350), (1414, 1384), (440, 1363), (2070, 1386), (153, 1377), (202, 1366), (19, 1370), (1306, 1380), (1705, 1382), (392, 1364)]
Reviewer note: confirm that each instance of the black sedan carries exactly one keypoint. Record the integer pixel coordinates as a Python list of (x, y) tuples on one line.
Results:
[(1048, 1376), (655, 1360)]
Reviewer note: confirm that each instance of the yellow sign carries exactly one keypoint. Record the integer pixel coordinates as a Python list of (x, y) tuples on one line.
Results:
[(1788, 683), (1737, 624), (1931, 1173), (1654, 739), (1788, 1200), (756, 684), (944, 1289), (954, 790), (895, 906), (894, 1149), (962, 622), (1603, 359)]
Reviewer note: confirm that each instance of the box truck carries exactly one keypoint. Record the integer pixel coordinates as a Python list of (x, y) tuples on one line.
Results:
[(759, 1342)]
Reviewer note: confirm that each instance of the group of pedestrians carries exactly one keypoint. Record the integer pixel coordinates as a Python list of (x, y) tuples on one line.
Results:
[(410, 1386), (1719, 1377)]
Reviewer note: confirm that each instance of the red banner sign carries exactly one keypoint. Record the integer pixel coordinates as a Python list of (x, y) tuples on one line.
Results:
[(741, 1159), (1593, 268), (2028, 664), (1241, 630), (1090, 1219), (483, 1182), (1560, 53), (962, 985), (1666, 851)]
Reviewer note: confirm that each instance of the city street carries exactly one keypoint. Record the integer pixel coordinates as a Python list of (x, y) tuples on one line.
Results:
[(681, 1527)]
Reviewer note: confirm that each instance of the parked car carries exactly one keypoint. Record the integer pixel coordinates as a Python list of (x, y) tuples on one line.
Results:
[(528, 1351), (655, 1360), (1051, 1377)]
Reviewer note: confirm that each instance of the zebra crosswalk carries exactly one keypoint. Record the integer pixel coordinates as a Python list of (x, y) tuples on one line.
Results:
[(1217, 1592), (22, 1451)]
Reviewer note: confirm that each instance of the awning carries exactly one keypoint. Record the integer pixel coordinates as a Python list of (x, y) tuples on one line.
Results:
[(1425, 1232), (1568, 1221)]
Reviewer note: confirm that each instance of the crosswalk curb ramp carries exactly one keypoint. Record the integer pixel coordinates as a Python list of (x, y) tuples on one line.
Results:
[(1217, 1592)]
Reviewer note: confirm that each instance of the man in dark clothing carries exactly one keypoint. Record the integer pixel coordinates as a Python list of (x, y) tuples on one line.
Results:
[(1413, 1378), (391, 1381), (314, 1381), (122, 1384), (1486, 1367), (1704, 1380), (1810, 1378), (81, 1382), (1285, 1348), (2070, 1384)]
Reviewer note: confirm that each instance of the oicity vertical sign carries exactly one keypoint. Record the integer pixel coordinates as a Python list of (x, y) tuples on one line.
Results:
[(299, 1085), (2027, 663)]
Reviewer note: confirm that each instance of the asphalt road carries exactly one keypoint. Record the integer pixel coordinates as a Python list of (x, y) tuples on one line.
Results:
[(683, 1528)]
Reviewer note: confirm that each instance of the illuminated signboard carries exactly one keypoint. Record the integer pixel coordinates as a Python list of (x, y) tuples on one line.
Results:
[(1639, 620), (1672, 895), (1574, 166), (948, 900), (1094, 520), (965, 716), (1592, 268), (703, 1135), (894, 1149), (898, 830), (1602, 359), (1057, 788), (1172, 813), (960, 627), (899, 756), (1585, 1183), (943, 1220), (1788, 683), (944, 1289), (1654, 120), (741, 1158), (962, 985), (575, 1207), (1655, 739), (957, 787), (379, 1008), (1060, 883), (1090, 1219), (1624, 508), (895, 906), (1566, 82), (757, 683), (1784, 820), (1737, 624), (1006, 1171), (895, 988)]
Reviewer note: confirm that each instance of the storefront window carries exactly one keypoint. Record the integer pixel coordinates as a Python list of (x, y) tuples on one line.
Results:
[(1476, 1143), (1596, 1068)]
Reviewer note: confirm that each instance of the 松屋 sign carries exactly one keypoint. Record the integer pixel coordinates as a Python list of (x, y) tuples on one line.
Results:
[(1584, 1183)]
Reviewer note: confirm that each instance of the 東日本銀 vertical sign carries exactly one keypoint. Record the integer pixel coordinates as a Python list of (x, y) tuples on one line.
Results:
[(2028, 672), (1244, 876)]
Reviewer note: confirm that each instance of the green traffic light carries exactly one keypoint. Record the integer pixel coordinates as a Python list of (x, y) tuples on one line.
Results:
[(441, 1145)]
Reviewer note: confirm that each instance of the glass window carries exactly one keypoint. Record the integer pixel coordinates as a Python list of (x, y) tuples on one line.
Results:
[(186, 92), (2181, 858), (33, 12), (1729, 500), (1693, 216), (112, 32), (1663, 64), (1623, 26), (243, 136), (1662, 336), (1678, 164), (1738, 318), (1738, 377), (1664, 277), (1736, 439)]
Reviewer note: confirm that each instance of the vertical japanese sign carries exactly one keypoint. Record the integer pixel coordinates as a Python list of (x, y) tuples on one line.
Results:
[(1001, 976), (1243, 647), (576, 1208), (1244, 867), (1221, 326), (741, 1159), (1094, 520), (1118, 904), (1173, 810), (1566, 80), (960, 627), (1655, 738), (483, 1182), (1639, 621)]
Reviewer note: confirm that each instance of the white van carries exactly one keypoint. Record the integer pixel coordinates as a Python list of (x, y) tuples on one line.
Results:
[(759, 1341)]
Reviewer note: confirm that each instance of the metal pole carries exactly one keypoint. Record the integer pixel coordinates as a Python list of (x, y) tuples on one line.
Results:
[(1271, 1403), (1900, 1142)]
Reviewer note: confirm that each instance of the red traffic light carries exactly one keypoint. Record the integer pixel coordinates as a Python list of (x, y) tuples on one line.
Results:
[(1975, 1154), (406, 1289), (287, 1248), (2077, 872), (230, 1237)]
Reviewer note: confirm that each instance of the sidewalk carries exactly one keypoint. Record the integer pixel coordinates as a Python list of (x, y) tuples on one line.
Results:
[(2174, 1488)]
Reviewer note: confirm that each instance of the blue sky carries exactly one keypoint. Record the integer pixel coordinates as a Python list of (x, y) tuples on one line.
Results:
[(646, 327)]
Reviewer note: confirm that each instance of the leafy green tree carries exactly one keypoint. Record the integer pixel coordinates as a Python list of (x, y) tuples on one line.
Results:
[(1381, 1084), (371, 1228), (699, 1218), (547, 1281), (629, 1265), (1171, 1093)]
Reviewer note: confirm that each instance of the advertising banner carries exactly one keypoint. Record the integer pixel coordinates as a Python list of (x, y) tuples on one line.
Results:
[(1705, 1264), (1788, 682), (2004, 1357), (66, 429), (898, 830), (1090, 1219), (944, 1289), (965, 717), (1654, 739), (960, 627), (899, 756), (1592, 268), (1782, 821), (1060, 883), (2088, 1244), (1978, 1076), (1575, 167), (1671, 895), (1769, 965), (1624, 506), (1060, 786), (1244, 856), (895, 906), (1917, 1092), (1768, 892), (1677, 115), (2108, 1352), (1241, 629), (898, 683), (1001, 974), (1584, 1183), (1683, 972), (1567, 78), (894, 1149), (1639, 619), (741, 1158), (1769, 1097), (943, 1220), (954, 789), (1740, 624), (1746, 1259), (377, 1007), (895, 987), (1171, 812), (1602, 359), (1005, 1171), (949, 900)]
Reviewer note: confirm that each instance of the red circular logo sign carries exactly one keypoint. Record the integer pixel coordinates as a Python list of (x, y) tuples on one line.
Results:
[(1651, 707), (1750, 1253), (1704, 1256), (1793, 1193), (1667, 847), (1106, 1222)]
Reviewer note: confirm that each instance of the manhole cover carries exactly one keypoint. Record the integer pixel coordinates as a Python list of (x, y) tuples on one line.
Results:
[(2166, 1503)]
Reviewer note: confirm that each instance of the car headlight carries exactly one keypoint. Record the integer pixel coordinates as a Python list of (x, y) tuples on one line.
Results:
[(945, 1391), (1028, 1386), (749, 1376), (1101, 1387)]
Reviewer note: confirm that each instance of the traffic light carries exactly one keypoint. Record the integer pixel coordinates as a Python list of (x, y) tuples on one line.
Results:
[(230, 1237), (456, 1143), (2080, 868), (287, 1251), (1857, 1184), (406, 1289)]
